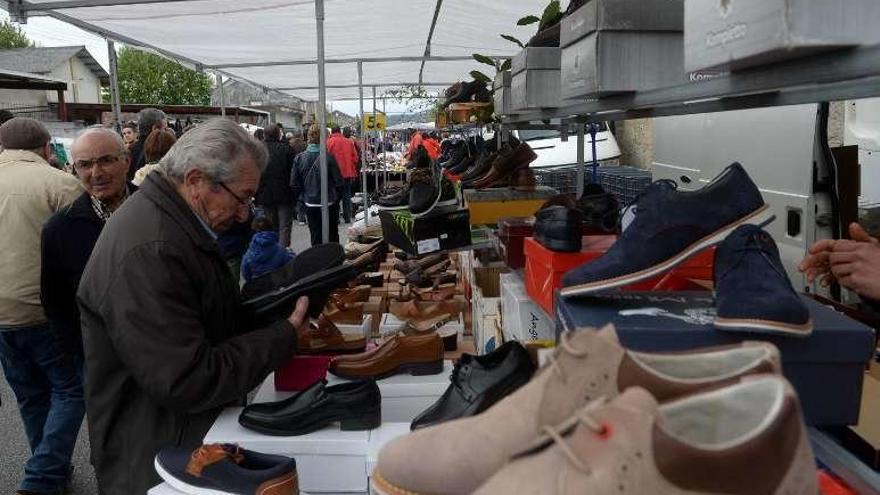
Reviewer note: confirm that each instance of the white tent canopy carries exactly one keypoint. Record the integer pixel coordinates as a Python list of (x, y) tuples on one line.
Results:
[(271, 43)]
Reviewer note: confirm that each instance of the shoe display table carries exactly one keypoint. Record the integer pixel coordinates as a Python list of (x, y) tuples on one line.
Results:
[(327, 461), (490, 205), (403, 396)]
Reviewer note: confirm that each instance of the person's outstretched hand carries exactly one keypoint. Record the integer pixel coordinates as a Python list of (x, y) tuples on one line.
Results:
[(855, 263), (298, 318), (818, 265)]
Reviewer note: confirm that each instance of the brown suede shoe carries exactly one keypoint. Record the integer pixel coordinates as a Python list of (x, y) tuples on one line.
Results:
[(354, 250), (322, 337), (744, 439), (587, 364), (405, 267), (416, 355)]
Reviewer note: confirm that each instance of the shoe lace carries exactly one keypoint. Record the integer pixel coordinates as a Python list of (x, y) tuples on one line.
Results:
[(565, 347), (583, 417)]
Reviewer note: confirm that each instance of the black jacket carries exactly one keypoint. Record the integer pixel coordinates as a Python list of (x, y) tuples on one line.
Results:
[(68, 240), (138, 159), (305, 179), (274, 188), (164, 348)]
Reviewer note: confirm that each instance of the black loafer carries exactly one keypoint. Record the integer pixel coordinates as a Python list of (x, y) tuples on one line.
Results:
[(558, 228), (478, 382), (315, 272), (354, 405)]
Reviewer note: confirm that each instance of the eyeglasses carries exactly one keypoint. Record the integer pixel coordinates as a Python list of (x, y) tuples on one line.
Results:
[(248, 203), (101, 161)]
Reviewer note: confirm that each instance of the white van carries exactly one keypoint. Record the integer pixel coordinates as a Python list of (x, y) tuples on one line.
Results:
[(552, 151)]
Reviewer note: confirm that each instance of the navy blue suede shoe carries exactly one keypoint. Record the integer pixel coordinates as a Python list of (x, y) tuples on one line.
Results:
[(753, 290), (669, 227), (226, 468)]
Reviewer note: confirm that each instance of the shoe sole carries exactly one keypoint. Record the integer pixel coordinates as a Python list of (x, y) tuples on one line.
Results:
[(380, 486), (368, 421), (414, 369), (764, 326), (760, 217), (182, 486)]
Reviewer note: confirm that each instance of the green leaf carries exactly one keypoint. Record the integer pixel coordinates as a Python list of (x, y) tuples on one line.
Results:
[(506, 65), (552, 14), (513, 40), (529, 19), (479, 76), (483, 59)]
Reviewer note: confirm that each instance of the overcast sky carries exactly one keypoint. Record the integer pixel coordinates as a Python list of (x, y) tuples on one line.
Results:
[(51, 32)]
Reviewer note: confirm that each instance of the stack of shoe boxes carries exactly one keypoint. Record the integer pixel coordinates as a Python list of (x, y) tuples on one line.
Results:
[(617, 46), (501, 86), (535, 81), (486, 307), (737, 34)]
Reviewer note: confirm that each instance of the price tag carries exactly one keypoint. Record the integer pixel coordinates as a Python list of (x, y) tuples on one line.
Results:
[(429, 245)]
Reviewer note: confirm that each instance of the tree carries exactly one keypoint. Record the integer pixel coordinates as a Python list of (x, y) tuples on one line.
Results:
[(154, 80), (11, 36)]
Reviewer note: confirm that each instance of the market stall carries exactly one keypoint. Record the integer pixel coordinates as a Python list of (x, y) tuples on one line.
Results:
[(673, 348)]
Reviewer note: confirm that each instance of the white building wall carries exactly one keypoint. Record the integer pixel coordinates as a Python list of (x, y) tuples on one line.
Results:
[(82, 84), (18, 98)]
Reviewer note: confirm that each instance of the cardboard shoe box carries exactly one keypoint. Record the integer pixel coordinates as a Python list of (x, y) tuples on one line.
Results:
[(536, 77), (622, 46), (502, 95), (825, 368), (737, 34)]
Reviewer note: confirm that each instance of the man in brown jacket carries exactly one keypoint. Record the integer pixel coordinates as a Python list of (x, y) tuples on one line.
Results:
[(164, 345)]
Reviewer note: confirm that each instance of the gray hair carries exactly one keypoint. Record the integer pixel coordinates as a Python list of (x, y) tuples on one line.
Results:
[(147, 118), (102, 131), (215, 147)]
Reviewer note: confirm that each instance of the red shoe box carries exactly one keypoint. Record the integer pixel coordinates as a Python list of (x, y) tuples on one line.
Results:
[(544, 269), (301, 372)]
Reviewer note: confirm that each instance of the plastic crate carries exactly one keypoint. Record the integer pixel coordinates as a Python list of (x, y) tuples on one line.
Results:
[(626, 183), (563, 179)]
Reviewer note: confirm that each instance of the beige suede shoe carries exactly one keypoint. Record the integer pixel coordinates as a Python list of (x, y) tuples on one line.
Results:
[(457, 457), (745, 439)]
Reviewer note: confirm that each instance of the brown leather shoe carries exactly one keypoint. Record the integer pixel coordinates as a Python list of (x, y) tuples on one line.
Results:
[(416, 311), (350, 314), (323, 337), (343, 297), (354, 250), (504, 167), (416, 355), (439, 293), (405, 267), (523, 180)]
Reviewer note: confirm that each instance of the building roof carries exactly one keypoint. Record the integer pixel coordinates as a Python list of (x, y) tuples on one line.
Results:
[(10, 79), (43, 60)]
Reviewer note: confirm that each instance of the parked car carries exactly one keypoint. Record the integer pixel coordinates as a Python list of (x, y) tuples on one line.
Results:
[(552, 151)]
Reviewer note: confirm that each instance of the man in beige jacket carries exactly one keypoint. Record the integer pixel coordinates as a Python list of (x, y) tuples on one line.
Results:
[(48, 386)]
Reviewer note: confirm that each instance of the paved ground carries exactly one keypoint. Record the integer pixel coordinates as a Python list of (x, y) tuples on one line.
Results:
[(14, 450)]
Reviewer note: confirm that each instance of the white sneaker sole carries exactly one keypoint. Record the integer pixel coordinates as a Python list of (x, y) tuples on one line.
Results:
[(761, 217), (182, 486), (764, 326)]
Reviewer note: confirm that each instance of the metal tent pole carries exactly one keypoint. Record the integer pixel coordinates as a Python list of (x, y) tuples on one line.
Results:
[(114, 85), (580, 157), (593, 129), (384, 147), (322, 122), (377, 140), (222, 94), (363, 147)]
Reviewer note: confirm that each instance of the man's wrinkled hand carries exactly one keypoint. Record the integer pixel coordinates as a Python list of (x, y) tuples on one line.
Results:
[(298, 318)]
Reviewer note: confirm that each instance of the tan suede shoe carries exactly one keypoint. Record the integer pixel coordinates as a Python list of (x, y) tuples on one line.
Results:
[(587, 364), (745, 439)]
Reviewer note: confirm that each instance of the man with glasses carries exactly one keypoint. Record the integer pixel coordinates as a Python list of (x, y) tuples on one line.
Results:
[(100, 161), (47, 386), (165, 344)]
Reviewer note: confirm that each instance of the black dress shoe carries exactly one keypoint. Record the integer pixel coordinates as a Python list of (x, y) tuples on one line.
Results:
[(354, 405), (478, 382), (558, 228)]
